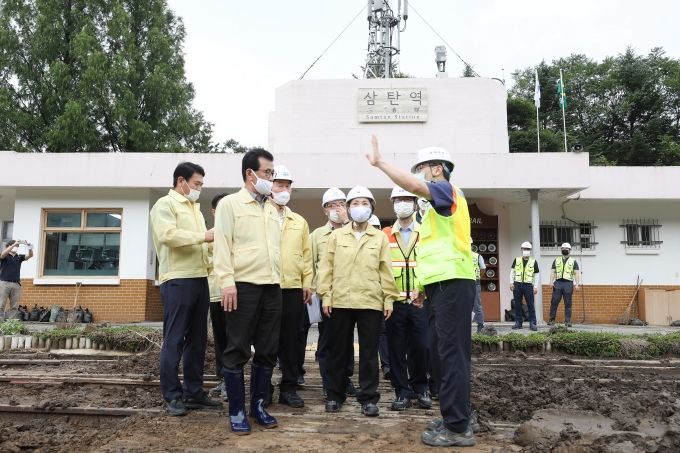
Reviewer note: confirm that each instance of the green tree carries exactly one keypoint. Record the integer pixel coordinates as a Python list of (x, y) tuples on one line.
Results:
[(96, 76)]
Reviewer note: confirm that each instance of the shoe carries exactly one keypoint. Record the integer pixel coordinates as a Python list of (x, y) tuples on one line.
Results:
[(202, 402), (370, 410), (446, 438), (260, 392), (480, 327), (236, 389), (474, 423), (424, 400), (533, 327), (350, 390), (517, 326), (434, 425), (333, 406), (434, 394), (217, 391), (301, 381), (386, 373), (401, 404), (568, 323), (291, 399), (551, 322), (176, 407)]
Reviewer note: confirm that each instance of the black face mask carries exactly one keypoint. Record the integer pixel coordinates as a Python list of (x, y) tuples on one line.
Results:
[(565, 252)]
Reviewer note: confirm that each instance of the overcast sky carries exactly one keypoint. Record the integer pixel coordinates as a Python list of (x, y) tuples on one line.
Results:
[(237, 53)]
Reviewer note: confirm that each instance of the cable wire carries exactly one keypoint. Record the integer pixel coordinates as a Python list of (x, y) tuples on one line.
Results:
[(450, 47), (343, 31)]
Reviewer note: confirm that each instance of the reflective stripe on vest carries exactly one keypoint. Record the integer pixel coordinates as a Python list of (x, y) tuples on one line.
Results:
[(475, 263), (564, 271), (524, 274), (403, 266), (444, 252)]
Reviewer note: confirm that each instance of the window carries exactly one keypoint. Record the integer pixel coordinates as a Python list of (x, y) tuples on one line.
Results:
[(7, 233), (81, 243), (641, 234), (581, 235)]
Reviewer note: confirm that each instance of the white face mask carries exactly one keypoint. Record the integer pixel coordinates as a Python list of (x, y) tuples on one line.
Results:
[(333, 216), (15, 249), (263, 186), (404, 209), (422, 204), (193, 193), (420, 177), (281, 198), (526, 252), (360, 214)]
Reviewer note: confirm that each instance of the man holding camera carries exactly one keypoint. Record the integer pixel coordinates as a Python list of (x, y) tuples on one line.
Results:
[(10, 276)]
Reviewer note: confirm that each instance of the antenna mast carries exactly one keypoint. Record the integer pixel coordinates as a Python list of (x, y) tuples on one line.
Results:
[(382, 26)]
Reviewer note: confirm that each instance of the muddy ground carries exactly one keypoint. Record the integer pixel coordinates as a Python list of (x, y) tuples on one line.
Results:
[(539, 403)]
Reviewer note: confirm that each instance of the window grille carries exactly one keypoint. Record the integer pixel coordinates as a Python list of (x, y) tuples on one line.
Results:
[(641, 233), (581, 235)]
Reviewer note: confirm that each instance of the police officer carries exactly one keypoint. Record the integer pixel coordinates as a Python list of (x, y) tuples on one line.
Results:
[(479, 265), (524, 283), (335, 209), (564, 279), (295, 283), (447, 277), (357, 286), (407, 329)]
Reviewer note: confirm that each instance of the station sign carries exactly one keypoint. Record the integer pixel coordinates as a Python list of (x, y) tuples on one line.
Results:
[(392, 105)]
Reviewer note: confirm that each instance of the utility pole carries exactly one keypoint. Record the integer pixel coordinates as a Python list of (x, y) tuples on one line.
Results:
[(383, 45)]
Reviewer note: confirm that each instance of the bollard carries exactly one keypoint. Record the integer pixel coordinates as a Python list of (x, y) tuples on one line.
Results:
[(88, 343), (548, 347), (29, 342), (2, 342), (102, 346), (95, 345), (81, 343), (108, 347), (15, 342), (21, 343), (41, 343), (8, 341), (48, 343), (67, 343)]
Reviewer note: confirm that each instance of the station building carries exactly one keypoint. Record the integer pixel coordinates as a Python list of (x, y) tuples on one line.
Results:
[(88, 214)]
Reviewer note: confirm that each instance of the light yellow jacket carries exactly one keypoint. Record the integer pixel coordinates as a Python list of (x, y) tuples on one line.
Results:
[(178, 229), (296, 252), (319, 238), (213, 281), (357, 276), (247, 241)]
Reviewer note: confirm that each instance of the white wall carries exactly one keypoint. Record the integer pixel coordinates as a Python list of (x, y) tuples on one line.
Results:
[(134, 247), (465, 115), (609, 264)]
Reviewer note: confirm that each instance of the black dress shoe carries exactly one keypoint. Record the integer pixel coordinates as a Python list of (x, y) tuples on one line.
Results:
[(202, 402), (370, 410), (291, 399), (176, 407), (333, 406)]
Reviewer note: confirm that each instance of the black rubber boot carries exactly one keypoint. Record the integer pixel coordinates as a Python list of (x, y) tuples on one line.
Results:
[(260, 379)]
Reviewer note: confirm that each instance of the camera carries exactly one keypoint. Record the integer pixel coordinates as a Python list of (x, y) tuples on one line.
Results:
[(22, 242)]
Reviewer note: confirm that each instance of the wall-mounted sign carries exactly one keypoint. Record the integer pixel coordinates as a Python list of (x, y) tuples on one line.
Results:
[(392, 105)]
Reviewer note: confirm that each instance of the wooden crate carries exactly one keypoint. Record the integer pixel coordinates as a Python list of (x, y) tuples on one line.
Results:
[(659, 307)]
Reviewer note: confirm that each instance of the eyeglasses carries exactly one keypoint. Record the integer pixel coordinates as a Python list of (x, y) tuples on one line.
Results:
[(424, 166), (335, 206), (269, 174)]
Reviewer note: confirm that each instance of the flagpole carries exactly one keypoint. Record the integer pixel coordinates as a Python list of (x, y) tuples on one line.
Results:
[(537, 103), (564, 116), (538, 133)]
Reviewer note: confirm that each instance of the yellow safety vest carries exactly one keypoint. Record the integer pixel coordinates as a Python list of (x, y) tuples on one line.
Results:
[(475, 263), (444, 252), (564, 270), (524, 274), (404, 267)]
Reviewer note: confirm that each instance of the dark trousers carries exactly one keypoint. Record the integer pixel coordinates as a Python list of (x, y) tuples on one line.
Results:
[(324, 348), (526, 290), (383, 349), (561, 288), (288, 338), (408, 339), (479, 311), (219, 327), (368, 327), (303, 332), (256, 321), (451, 303), (185, 335)]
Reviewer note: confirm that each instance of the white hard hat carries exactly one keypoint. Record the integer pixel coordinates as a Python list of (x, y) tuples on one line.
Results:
[(374, 221), (433, 154), (360, 192), (332, 194), (526, 245), (281, 172), (566, 245), (399, 192)]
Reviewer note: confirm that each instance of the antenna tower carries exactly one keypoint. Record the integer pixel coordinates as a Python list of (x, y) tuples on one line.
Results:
[(383, 45)]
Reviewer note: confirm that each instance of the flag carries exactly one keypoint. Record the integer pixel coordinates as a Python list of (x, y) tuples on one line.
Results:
[(537, 92), (563, 95)]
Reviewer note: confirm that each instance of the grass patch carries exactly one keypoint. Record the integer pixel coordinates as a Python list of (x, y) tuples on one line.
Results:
[(127, 338)]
